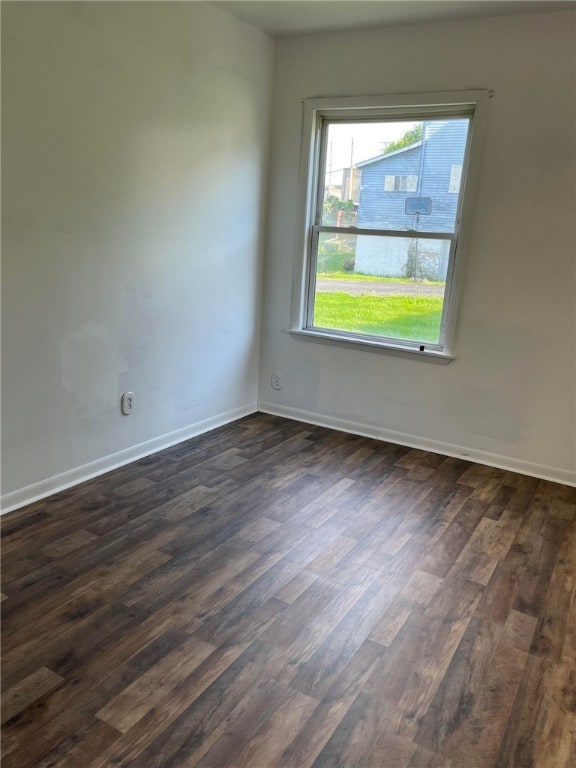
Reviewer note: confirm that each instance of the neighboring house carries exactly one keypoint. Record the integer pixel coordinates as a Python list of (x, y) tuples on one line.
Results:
[(422, 176)]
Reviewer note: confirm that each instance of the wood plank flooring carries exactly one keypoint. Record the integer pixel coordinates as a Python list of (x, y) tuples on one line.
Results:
[(278, 595)]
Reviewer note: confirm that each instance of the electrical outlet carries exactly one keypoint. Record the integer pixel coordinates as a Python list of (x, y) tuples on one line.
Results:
[(276, 381), (127, 403)]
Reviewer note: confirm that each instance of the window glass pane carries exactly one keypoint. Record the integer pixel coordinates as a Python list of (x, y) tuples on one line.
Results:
[(378, 173), (381, 286)]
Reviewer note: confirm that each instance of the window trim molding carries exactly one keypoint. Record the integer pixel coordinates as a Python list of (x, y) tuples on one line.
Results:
[(372, 344), (379, 107)]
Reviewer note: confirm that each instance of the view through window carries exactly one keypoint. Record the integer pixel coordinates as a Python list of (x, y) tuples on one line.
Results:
[(398, 180)]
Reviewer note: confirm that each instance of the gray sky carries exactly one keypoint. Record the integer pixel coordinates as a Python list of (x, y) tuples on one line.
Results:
[(368, 141)]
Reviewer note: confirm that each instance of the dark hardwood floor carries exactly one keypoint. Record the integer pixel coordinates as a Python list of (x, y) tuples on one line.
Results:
[(273, 594)]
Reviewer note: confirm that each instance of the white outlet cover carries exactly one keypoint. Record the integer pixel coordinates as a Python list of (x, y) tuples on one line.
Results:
[(127, 403)]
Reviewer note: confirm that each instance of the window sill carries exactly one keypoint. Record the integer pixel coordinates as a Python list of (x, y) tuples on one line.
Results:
[(398, 350)]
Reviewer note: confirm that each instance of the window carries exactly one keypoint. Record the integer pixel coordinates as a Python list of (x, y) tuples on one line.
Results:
[(400, 183), (455, 178), (376, 268)]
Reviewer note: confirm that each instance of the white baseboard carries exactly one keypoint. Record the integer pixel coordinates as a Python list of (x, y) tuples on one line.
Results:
[(51, 485), (511, 464)]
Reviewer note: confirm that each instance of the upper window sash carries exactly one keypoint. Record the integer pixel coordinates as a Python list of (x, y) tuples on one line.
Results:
[(404, 183)]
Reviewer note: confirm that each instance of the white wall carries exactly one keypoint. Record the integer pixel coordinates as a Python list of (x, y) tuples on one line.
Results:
[(134, 150), (134, 147), (509, 397)]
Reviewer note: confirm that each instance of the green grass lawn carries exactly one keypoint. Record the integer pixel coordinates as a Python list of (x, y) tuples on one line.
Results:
[(415, 318)]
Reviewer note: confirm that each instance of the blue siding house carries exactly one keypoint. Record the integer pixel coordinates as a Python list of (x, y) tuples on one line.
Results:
[(413, 188)]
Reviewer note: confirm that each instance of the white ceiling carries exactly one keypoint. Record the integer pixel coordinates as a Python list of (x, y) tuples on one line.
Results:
[(281, 18)]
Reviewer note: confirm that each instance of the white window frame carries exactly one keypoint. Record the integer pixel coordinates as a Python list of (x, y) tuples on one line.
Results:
[(393, 107)]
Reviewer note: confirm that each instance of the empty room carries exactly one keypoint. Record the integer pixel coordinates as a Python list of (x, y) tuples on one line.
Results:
[(288, 384)]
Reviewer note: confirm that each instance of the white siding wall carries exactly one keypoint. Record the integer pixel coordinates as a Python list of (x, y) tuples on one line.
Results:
[(387, 256)]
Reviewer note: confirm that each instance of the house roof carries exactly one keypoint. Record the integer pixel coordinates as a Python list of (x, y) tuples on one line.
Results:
[(386, 155)]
